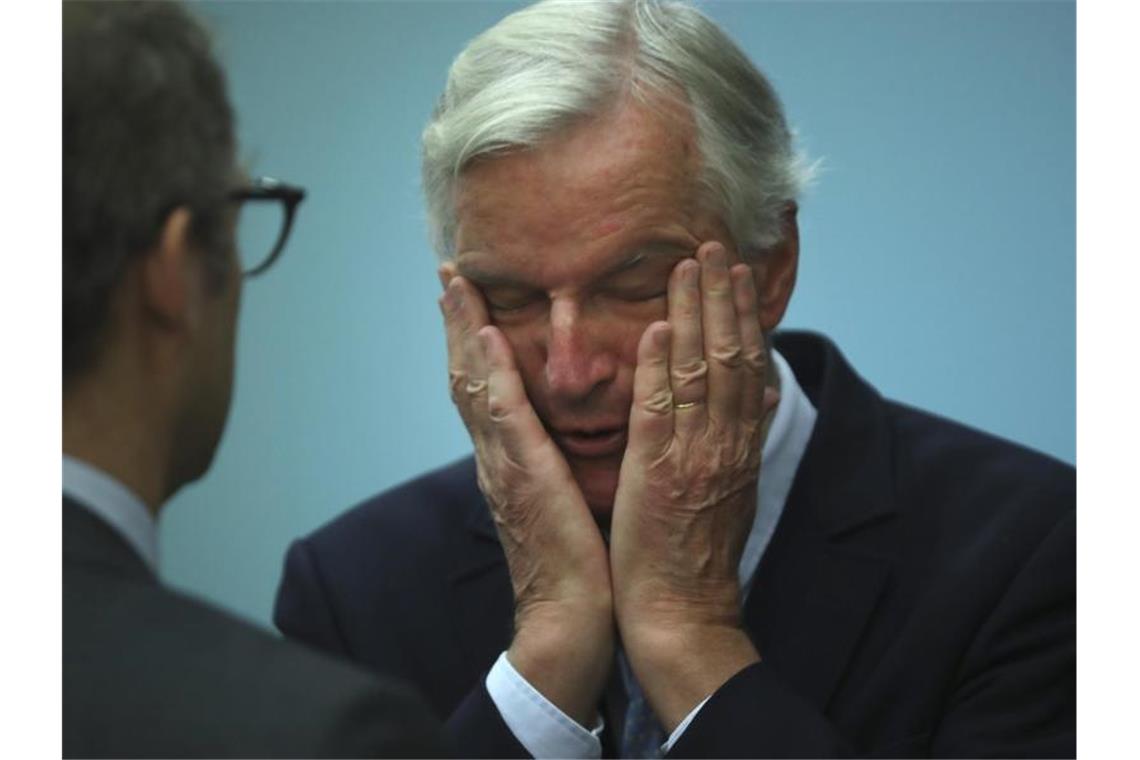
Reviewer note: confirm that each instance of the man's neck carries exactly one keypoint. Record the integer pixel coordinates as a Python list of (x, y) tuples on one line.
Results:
[(112, 429)]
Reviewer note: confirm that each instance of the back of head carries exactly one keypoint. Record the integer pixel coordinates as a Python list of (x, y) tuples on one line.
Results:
[(557, 62), (147, 127)]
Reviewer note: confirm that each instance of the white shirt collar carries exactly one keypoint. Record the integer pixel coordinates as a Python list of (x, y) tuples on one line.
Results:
[(784, 447), (112, 502)]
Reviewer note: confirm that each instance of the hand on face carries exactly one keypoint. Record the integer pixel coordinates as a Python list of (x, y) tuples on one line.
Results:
[(687, 491), (563, 640), (686, 494), (685, 499)]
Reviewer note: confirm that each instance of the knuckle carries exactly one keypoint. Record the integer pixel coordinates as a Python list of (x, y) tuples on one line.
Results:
[(755, 360), (475, 387), (727, 356), (688, 308), (498, 409), (690, 372), (719, 289), (659, 402)]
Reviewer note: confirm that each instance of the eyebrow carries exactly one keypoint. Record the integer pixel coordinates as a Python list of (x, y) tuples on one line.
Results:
[(488, 279), (656, 248), (640, 254)]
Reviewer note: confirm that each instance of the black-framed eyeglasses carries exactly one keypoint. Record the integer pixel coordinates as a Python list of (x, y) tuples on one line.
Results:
[(264, 222)]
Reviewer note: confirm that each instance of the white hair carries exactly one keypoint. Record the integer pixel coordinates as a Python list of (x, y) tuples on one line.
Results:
[(557, 62)]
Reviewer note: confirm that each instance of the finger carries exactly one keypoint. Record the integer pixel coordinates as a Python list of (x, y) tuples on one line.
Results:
[(753, 350), (720, 326), (473, 317), (509, 412), (445, 272), (688, 371), (651, 416), (449, 305), (464, 315)]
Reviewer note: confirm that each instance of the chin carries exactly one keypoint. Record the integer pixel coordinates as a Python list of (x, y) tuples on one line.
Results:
[(598, 479)]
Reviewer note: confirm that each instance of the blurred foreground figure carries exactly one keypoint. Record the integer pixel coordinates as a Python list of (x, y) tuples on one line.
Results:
[(151, 284)]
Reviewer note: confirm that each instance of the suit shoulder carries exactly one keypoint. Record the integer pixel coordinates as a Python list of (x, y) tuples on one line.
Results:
[(423, 510), (974, 477), (185, 663), (396, 543), (930, 438), (198, 635)]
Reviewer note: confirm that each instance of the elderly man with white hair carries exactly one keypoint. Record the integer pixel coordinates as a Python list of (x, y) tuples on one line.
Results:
[(681, 531)]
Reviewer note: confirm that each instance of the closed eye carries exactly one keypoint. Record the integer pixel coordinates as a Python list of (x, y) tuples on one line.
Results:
[(636, 294), (506, 301), (645, 279)]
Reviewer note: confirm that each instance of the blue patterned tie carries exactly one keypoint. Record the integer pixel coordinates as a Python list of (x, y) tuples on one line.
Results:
[(642, 736)]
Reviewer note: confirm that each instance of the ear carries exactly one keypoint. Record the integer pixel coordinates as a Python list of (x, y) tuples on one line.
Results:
[(775, 271), (171, 280)]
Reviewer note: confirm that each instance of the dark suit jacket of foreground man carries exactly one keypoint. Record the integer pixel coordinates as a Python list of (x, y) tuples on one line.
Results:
[(198, 683), (918, 597)]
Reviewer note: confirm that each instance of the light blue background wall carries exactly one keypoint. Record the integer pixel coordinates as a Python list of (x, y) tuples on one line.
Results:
[(937, 248)]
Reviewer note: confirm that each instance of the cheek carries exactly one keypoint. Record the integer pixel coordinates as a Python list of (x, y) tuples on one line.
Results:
[(626, 334), (526, 343), (625, 323)]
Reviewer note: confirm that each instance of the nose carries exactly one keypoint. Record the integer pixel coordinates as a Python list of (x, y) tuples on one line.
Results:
[(578, 360)]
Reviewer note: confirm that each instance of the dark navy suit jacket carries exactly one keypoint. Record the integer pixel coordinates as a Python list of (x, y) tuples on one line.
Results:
[(150, 672), (917, 598)]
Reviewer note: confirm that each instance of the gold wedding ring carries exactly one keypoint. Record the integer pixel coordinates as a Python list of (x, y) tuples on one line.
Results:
[(686, 405)]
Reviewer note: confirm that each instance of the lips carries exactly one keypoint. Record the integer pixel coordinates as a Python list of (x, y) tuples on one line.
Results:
[(591, 444)]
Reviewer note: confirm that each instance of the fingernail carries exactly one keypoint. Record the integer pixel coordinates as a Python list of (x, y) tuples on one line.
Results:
[(717, 257), (690, 271)]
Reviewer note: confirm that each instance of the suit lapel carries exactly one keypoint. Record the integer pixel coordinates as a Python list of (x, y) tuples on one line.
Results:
[(810, 603), (822, 575)]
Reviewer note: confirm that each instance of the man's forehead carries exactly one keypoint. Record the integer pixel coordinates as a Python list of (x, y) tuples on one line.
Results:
[(633, 142), (486, 268), (608, 194), (638, 202)]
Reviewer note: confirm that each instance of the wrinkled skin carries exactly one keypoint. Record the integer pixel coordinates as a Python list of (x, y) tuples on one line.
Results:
[(590, 292)]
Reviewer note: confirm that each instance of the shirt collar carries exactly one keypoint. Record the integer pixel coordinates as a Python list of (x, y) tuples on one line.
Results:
[(784, 447), (112, 502)]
